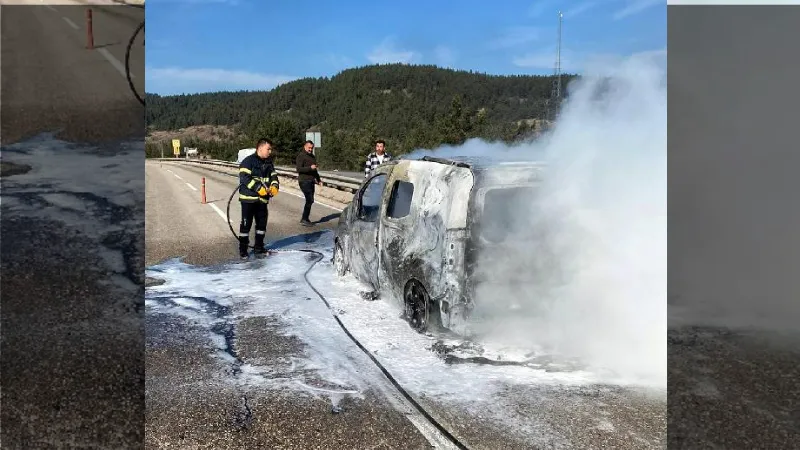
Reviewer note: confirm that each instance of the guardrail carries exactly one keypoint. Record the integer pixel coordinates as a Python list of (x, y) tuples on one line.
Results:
[(333, 181)]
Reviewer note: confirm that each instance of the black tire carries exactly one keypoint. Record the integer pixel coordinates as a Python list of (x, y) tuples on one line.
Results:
[(338, 260), (419, 309)]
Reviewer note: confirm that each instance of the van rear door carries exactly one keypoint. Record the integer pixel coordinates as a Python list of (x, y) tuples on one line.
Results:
[(507, 251), (505, 213)]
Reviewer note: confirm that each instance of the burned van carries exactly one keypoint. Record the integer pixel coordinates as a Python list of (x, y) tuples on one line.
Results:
[(414, 228)]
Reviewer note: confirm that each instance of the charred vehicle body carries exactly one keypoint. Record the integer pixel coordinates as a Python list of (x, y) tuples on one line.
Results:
[(415, 228)]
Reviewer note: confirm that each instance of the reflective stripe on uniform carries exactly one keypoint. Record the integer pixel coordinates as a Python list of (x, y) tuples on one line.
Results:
[(243, 235), (245, 170), (251, 184), (274, 183), (261, 232), (247, 197)]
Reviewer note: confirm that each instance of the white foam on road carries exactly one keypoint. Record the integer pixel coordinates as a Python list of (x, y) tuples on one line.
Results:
[(274, 287), (90, 190)]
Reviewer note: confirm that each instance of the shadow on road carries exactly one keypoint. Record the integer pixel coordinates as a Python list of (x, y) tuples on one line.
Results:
[(110, 44), (300, 238), (329, 217)]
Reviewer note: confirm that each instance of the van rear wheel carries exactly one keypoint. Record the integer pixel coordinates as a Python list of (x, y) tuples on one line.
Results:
[(418, 306)]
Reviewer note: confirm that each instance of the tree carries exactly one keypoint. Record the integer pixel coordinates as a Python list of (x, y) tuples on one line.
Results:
[(410, 106), (286, 136)]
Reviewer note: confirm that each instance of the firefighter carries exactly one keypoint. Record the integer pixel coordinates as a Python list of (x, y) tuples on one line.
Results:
[(258, 182)]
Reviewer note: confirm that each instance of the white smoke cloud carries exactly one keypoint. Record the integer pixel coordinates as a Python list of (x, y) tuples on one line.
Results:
[(596, 277)]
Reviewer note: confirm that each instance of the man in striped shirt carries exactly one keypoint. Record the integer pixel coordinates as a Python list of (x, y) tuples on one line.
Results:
[(376, 158)]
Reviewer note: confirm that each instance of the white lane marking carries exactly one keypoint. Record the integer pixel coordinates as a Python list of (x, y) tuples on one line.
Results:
[(219, 211), (178, 176), (106, 54), (193, 188), (50, 8), (114, 62), (315, 202), (71, 23)]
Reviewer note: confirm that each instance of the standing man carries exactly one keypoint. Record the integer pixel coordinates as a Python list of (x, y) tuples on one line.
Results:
[(307, 177), (377, 158), (258, 182)]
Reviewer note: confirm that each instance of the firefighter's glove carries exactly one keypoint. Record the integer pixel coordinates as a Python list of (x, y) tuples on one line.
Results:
[(273, 191), (262, 191)]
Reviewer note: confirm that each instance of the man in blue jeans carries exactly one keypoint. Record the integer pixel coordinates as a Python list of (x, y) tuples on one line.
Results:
[(307, 177)]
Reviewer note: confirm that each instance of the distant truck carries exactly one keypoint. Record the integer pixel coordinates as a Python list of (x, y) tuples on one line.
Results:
[(244, 153)]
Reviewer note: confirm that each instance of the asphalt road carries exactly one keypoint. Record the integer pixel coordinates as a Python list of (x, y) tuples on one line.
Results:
[(72, 237), (178, 225), (49, 81)]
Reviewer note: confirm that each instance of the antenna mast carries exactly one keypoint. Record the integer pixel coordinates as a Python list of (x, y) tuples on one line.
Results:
[(555, 96)]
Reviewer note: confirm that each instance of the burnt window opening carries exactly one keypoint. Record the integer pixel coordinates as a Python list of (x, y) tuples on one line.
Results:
[(506, 213), (371, 199), (400, 201)]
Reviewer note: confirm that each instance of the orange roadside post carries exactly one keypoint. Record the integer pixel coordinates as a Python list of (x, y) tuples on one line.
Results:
[(89, 32)]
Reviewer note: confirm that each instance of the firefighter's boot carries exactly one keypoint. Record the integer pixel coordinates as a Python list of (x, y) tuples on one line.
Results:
[(259, 248), (244, 242)]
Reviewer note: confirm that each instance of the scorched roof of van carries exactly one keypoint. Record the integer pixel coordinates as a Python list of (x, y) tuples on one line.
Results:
[(477, 163)]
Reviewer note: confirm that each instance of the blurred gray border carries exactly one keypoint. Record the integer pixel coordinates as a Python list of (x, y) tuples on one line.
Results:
[(734, 224), (71, 347)]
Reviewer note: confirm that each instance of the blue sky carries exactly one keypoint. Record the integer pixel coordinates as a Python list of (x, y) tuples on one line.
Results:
[(212, 45)]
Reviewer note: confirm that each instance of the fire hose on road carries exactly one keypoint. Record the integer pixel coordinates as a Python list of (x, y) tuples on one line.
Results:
[(128, 62), (453, 440)]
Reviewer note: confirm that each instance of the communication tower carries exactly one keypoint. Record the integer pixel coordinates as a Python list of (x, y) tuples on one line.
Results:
[(555, 95)]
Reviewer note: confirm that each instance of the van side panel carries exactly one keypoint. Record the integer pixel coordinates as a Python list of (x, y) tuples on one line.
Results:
[(460, 181), (414, 247)]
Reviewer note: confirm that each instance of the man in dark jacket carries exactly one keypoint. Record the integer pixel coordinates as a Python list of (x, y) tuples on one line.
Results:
[(258, 182), (307, 177)]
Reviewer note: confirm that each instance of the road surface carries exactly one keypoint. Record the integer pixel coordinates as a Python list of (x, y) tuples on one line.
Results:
[(177, 227), (50, 81), (72, 230)]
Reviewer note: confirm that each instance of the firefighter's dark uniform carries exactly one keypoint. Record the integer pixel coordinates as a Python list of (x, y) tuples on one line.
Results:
[(254, 174)]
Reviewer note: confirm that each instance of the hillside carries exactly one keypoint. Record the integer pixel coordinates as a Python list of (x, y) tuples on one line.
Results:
[(410, 106)]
